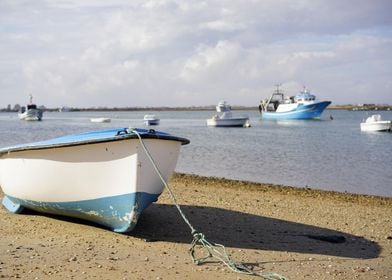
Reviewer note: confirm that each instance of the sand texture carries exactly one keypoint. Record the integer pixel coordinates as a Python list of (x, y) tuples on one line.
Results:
[(298, 233)]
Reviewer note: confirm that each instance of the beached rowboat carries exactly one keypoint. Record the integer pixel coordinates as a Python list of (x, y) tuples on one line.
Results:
[(105, 176)]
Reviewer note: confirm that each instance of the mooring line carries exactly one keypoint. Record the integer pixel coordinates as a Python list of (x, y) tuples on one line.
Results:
[(215, 250)]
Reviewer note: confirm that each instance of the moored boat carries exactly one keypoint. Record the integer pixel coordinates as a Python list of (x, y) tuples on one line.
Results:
[(301, 106), (104, 176), (375, 123), (31, 112), (224, 118), (101, 120), (151, 120)]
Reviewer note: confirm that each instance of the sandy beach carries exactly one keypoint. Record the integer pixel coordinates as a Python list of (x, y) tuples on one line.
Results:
[(297, 233)]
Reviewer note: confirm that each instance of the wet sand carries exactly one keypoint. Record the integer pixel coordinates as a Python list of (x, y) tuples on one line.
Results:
[(298, 233)]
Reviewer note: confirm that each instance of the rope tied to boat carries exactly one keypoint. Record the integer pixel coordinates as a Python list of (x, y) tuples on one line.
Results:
[(214, 250)]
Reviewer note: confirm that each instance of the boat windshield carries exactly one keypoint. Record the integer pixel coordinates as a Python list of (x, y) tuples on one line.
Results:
[(305, 97), (31, 106)]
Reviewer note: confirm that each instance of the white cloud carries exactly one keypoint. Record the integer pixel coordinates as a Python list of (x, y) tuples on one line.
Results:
[(221, 25), (210, 63), (151, 53)]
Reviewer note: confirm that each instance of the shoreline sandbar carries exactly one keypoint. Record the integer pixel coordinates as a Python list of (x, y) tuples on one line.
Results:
[(269, 227)]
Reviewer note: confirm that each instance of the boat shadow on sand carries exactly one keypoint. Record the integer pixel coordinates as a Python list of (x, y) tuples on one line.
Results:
[(162, 222)]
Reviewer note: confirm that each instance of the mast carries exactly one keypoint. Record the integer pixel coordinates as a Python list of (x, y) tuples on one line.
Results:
[(277, 91)]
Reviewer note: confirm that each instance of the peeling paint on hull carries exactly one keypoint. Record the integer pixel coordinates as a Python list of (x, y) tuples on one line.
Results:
[(119, 213)]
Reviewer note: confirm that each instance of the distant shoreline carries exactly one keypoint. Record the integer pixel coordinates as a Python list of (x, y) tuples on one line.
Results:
[(349, 107)]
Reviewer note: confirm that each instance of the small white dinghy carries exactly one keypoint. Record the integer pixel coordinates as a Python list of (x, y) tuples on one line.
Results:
[(100, 120), (151, 120), (106, 177), (375, 123)]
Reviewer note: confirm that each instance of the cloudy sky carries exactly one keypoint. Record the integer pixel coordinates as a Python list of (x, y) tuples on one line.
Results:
[(192, 53)]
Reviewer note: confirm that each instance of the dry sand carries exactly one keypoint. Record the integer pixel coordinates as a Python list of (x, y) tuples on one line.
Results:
[(265, 226)]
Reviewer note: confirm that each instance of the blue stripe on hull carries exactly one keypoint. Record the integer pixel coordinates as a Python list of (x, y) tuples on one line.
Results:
[(311, 111), (120, 213)]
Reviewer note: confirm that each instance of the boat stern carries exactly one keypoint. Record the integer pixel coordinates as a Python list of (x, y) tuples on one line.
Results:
[(12, 206), (142, 201)]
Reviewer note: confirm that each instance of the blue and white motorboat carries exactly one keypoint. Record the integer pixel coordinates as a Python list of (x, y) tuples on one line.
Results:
[(31, 112), (224, 117), (107, 177), (300, 106)]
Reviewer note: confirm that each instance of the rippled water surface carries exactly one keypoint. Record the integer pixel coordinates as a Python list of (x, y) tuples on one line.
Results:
[(325, 154)]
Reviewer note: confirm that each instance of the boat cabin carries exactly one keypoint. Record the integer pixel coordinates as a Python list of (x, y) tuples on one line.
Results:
[(31, 106), (272, 103), (223, 107), (304, 96)]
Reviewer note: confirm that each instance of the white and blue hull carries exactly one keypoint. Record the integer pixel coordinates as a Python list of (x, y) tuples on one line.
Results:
[(308, 111), (99, 210), (109, 181)]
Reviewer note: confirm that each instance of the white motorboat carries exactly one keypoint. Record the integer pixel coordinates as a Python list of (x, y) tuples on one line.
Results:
[(375, 123), (100, 120), (107, 177), (31, 112), (224, 118), (151, 120)]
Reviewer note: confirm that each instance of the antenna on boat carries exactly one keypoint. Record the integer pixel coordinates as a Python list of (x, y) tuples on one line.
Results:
[(277, 87)]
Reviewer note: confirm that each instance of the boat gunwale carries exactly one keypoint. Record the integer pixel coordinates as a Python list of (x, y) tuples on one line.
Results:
[(230, 119), (119, 137)]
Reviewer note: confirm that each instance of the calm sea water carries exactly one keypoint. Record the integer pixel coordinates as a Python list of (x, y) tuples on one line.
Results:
[(325, 154)]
